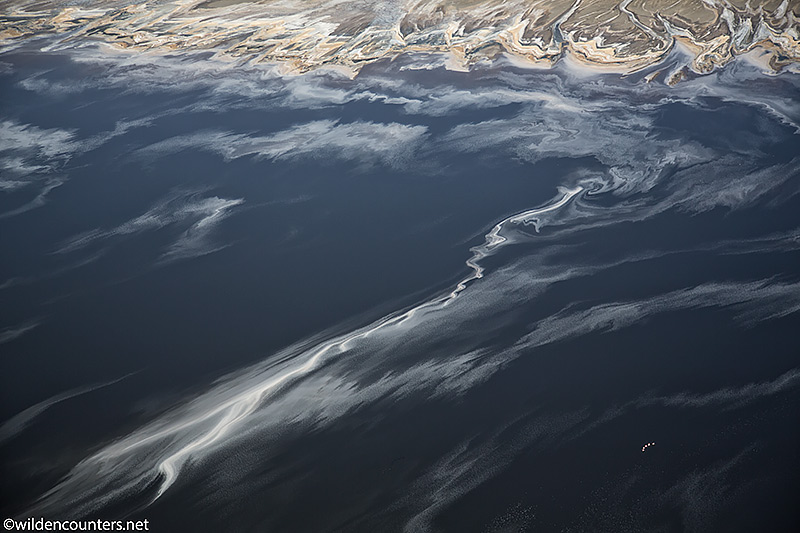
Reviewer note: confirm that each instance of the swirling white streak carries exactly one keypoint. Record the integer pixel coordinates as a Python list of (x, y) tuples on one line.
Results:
[(232, 412), (494, 238)]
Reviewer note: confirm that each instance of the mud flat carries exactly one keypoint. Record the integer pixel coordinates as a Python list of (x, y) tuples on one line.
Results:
[(625, 36)]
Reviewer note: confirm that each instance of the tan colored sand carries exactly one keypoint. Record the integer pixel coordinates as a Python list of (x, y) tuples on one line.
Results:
[(625, 35)]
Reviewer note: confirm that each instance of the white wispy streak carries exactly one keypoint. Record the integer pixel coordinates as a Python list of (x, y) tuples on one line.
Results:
[(202, 214), (14, 332), (364, 142), (17, 423)]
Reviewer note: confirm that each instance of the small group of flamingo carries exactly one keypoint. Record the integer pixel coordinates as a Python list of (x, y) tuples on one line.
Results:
[(648, 445)]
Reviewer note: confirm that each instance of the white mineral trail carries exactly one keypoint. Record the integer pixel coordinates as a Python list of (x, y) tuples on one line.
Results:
[(234, 410), (20, 421)]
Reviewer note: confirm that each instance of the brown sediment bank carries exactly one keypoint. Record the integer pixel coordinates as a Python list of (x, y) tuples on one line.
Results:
[(624, 35)]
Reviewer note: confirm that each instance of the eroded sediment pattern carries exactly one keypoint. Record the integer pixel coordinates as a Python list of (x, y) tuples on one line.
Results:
[(626, 35)]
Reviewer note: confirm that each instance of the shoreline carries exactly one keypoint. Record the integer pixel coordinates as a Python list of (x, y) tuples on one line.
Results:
[(308, 40)]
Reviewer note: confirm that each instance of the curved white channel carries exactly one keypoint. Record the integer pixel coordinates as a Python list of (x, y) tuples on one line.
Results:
[(236, 409)]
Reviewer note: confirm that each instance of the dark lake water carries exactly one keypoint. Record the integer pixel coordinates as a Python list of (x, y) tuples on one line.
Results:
[(231, 301)]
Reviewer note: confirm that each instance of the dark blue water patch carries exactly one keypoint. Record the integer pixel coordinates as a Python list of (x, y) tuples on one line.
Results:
[(604, 482), (297, 263), (354, 474), (338, 262), (65, 106), (711, 123)]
